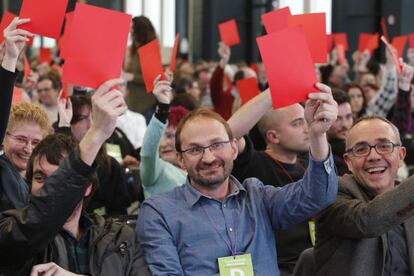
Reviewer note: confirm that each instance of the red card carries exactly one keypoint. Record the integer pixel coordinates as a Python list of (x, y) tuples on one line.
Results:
[(46, 16), (276, 20), (97, 43), (398, 42), (368, 42), (393, 54), (5, 22), (411, 39), (248, 89), (289, 66), (26, 66), (229, 34), (151, 65), (174, 53), (314, 26), (341, 53), (45, 55), (341, 39), (329, 42), (65, 37)]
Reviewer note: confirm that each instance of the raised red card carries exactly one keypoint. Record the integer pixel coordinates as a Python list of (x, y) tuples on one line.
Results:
[(276, 20), (174, 53), (314, 26), (26, 66), (329, 42), (65, 37), (398, 42), (368, 42), (289, 66), (45, 55), (5, 22), (229, 34), (46, 16), (341, 39), (341, 54), (411, 40), (96, 46), (248, 89), (393, 55), (151, 64)]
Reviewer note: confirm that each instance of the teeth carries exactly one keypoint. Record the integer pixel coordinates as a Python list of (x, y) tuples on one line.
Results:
[(371, 170)]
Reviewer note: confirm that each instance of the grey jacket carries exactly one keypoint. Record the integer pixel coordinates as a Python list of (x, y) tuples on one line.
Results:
[(351, 233)]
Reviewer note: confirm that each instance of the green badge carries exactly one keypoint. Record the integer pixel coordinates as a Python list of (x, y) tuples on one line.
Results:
[(312, 232), (240, 265)]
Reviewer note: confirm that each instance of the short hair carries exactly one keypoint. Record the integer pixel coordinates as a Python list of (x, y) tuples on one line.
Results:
[(182, 83), (375, 117), (78, 102), (340, 96), (200, 113), (29, 113), (54, 78), (185, 100)]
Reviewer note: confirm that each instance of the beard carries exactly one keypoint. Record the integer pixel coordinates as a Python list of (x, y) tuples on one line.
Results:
[(214, 180)]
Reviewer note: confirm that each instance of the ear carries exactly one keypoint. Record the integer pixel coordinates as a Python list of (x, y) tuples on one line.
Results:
[(180, 160), (348, 161), (88, 191), (402, 151), (235, 148), (272, 137)]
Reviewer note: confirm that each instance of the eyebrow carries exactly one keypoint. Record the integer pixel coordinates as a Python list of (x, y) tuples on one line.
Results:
[(379, 140)]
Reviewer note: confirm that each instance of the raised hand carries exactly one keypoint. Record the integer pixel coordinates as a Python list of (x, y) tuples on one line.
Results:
[(404, 82), (50, 269), (321, 110), (162, 89), (224, 53), (15, 40), (65, 111)]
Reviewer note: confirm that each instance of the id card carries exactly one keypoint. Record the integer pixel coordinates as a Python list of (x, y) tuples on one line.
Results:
[(114, 151), (239, 265)]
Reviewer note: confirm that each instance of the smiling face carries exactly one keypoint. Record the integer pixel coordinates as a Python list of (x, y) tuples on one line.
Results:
[(167, 146), (340, 127), (376, 172), (20, 141), (212, 168)]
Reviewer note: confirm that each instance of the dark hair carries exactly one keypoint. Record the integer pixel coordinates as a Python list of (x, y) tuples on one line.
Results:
[(55, 147), (326, 72), (54, 78), (78, 102), (200, 113), (142, 31), (340, 96), (185, 100), (182, 84)]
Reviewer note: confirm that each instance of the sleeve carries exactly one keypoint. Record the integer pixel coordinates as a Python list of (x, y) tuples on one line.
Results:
[(216, 85), (353, 218), (298, 201), (157, 242), (242, 162), (385, 99), (152, 165), (7, 80), (25, 232), (401, 116)]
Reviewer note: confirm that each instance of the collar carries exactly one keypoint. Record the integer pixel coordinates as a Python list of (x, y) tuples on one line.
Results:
[(192, 195)]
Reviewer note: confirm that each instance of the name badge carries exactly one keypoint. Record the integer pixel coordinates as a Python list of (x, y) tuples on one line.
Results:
[(239, 265), (114, 151)]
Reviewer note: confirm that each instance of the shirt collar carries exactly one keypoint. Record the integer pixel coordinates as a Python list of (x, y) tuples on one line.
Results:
[(192, 195)]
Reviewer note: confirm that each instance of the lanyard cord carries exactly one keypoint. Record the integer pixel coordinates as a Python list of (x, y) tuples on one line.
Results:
[(283, 168)]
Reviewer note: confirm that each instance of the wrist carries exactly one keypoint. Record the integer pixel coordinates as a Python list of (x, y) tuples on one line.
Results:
[(404, 86), (9, 63)]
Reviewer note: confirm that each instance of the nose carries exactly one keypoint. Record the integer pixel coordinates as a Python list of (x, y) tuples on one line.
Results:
[(208, 156), (28, 147), (373, 155)]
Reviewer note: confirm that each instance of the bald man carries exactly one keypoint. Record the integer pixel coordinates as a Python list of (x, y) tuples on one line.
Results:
[(286, 134)]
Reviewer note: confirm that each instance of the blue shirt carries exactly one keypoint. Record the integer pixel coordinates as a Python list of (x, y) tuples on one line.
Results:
[(184, 232)]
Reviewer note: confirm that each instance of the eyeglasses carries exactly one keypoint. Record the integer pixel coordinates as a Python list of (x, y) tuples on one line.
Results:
[(198, 151), (364, 149), (23, 141)]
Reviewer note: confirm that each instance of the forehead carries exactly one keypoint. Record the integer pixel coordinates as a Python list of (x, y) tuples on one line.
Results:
[(355, 90), (290, 113), (344, 109), (45, 82), (25, 128), (370, 131), (202, 130), (41, 164)]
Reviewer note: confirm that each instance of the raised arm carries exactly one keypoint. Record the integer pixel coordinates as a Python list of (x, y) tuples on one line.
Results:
[(14, 42)]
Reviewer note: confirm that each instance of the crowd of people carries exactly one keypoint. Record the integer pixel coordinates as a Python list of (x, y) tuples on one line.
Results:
[(187, 180)]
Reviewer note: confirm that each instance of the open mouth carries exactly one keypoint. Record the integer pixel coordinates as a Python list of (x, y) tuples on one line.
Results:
[(23, 157), (376, 170)]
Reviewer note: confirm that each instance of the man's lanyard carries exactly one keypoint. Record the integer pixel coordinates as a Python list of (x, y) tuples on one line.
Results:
[(231, 246), (283, 168)]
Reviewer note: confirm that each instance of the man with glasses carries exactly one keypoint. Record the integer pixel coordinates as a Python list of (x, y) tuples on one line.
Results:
[(369, 229), (215, 224), (48, 88)]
